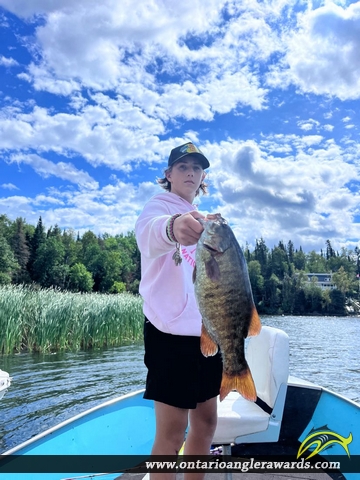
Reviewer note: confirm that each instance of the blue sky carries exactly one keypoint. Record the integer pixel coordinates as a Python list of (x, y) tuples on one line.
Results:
[(94, 95)]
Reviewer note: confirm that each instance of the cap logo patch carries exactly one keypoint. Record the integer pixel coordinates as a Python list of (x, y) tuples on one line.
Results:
[(189, 148)]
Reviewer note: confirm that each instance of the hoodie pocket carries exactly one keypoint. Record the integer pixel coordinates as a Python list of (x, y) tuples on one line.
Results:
[(188, 322)]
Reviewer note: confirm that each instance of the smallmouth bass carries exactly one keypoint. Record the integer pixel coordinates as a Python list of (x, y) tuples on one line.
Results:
[(225, 300)]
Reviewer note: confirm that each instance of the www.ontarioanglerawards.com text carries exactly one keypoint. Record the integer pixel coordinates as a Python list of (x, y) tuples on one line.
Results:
[(248, 465)]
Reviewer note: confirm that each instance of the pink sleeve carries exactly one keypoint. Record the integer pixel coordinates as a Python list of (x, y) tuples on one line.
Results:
[(150, 231)]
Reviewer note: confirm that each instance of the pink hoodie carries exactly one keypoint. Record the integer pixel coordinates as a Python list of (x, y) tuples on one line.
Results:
[(167, 289)]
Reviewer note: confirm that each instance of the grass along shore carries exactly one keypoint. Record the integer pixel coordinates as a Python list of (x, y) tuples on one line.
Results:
[(48, 320)]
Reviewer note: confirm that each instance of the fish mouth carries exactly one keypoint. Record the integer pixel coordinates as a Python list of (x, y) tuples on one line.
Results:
[(211, 249)]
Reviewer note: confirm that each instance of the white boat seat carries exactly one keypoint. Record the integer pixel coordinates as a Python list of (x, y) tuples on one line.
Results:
[(242, 421)]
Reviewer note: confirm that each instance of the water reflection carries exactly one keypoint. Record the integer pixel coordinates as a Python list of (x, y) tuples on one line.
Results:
[(49, 388), (324, 350)]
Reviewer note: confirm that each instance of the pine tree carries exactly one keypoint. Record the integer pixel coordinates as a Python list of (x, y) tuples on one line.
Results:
[(261, 254), (36, 241), (21, 252), (329, 250), (54, 231), (290, 251)]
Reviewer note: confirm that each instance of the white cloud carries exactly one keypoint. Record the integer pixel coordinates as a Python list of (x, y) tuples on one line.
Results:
[(46, 168), (90, 40), (118, 46), (308, 124), (226, 93), (8, 62), (46, 201), (120, 83), (9, 186), (322, 54), (267, 196), (112, 209), (111, 132), (43, 79), (18, 206)]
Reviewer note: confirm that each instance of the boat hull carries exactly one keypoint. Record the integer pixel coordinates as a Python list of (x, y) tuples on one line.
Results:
[(125, 426), (311, 412)]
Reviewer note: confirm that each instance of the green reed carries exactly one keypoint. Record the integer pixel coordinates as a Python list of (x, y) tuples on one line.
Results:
[(40, 320)]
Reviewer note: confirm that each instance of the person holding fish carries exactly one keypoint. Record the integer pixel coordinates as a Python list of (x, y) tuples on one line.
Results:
[(183, 382)]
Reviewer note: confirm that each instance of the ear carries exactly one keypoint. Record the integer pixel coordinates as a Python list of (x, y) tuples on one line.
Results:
[(168, 175)]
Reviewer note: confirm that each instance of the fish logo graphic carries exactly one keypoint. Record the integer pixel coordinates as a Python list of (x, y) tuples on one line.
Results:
[(321, 439)]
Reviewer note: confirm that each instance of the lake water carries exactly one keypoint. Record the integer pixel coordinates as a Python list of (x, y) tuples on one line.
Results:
[(47, 389)]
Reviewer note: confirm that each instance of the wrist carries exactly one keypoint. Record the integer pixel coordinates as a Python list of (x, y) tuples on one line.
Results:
[(170, 228)]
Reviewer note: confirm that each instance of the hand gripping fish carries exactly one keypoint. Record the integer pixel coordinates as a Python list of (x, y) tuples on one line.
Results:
[(224, 296)]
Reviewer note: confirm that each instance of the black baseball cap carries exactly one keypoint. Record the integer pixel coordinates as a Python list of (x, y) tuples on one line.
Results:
[(187, 149)]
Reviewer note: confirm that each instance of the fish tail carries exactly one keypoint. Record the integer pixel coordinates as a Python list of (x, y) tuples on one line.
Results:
[(243, 383)]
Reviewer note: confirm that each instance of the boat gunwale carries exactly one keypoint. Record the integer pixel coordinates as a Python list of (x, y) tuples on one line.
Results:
[(70, 420), (299, 382)]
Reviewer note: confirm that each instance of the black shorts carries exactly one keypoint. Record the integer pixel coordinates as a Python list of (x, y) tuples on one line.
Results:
[(178, 373)]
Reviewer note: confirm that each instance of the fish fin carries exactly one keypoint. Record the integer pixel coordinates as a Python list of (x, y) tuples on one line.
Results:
[(207, 345), (194, 275), (212, 269), (243, 383), (255, 324)]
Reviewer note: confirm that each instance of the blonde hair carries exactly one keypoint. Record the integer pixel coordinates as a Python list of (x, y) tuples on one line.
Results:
[(166, 185)]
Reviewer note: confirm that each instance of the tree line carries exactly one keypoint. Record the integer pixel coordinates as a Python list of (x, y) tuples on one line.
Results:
[(63, 259), (280, 283), (111, 264)]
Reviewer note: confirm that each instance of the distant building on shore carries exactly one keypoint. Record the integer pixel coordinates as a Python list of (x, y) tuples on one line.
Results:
[(324, 280)]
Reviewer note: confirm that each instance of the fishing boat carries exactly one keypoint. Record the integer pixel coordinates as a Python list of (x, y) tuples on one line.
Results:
[(5, 382), (305, 428)]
